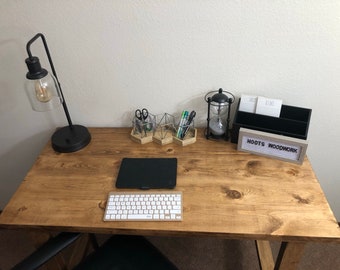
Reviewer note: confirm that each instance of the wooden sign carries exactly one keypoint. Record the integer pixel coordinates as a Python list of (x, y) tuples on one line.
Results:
[(272, 145)]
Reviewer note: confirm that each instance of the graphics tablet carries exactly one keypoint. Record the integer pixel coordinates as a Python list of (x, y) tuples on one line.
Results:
[(147, 173)]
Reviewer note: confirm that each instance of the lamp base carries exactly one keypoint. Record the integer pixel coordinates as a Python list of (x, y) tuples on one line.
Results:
[(70, 139)]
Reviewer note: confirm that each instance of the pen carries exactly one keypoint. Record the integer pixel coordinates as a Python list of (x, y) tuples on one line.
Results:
[(187, 124), (181, 123)]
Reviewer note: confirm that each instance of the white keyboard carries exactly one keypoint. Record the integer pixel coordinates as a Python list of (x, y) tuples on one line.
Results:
[(144, 206)]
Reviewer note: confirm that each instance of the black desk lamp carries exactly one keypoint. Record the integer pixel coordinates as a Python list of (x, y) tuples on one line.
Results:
[(45, 94)]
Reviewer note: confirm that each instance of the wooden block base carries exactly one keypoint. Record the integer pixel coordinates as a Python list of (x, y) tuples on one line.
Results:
[(189, 139), (142, 140), (167, 138)]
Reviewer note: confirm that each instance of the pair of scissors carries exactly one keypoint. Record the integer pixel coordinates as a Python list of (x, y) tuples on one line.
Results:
[(142, 115)]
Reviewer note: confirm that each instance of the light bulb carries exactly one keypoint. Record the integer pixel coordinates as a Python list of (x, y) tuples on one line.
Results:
[(42, 91)]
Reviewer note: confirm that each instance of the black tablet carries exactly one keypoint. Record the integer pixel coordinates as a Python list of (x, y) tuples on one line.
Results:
[(147, 173)]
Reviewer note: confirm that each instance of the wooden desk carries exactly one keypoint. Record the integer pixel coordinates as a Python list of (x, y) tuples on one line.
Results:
[(226, 194)]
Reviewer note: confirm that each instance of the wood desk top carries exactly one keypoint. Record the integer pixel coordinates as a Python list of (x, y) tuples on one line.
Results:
[(226, 193)]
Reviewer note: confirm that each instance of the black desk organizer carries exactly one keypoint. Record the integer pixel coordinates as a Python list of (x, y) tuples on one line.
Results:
[(293, 122)]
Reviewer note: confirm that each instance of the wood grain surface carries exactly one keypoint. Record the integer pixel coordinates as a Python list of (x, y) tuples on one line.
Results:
[(226, 193)]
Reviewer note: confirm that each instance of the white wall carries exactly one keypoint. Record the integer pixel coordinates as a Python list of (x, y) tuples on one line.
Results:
[(115, 56)]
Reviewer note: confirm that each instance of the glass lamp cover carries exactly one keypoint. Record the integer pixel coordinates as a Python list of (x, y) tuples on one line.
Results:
[(44, 94), (219, 108), (217, 123)]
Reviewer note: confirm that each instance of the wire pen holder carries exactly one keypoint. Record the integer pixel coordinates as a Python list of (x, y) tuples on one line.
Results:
[(143, 129), (185, 134), (165, 129)]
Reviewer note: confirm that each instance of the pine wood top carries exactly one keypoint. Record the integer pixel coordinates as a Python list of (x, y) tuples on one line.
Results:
[(226, 193)]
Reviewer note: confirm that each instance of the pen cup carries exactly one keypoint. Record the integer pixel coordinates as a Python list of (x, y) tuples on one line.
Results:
[(143, 130), (185, 134), (165, 129)]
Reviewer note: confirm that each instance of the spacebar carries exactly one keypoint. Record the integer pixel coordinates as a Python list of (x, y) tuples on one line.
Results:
[(140, 216)]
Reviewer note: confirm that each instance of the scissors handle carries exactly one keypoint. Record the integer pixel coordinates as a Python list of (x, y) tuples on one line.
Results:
[(145, 113), (138, 114)]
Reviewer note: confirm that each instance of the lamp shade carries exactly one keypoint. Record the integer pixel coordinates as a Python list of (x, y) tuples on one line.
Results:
[(42, 87)]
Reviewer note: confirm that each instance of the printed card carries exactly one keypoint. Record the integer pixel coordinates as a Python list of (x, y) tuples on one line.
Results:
[(268, 106), (248, 103)]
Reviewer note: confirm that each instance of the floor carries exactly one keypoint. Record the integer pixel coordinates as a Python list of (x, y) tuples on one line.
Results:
[(196, 253)]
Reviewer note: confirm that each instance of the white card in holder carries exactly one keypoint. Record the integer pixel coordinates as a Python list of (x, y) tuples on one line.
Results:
[(268, 106), (248, 103)]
